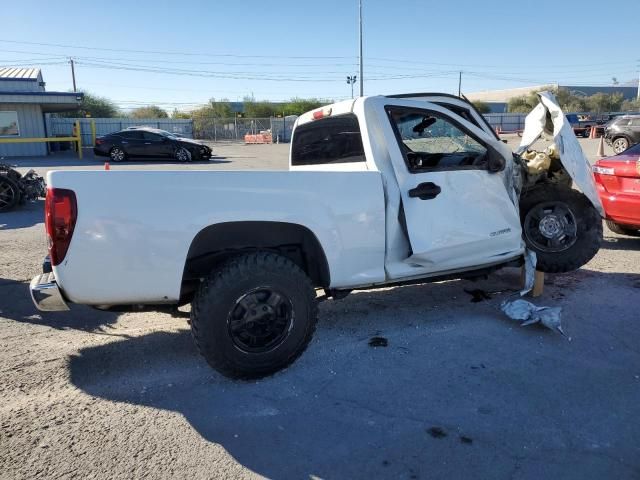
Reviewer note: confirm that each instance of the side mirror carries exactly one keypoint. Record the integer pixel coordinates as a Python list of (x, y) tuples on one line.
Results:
[(496, 161)]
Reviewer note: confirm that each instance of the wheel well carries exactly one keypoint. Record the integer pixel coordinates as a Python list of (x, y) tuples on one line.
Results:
[(216, 243)]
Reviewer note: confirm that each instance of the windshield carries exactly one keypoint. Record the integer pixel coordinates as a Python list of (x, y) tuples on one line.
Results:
[(164, 133)]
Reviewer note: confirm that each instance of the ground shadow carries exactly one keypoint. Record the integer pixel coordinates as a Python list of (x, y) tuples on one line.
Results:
[(17, 306), (23, 216), (459, 392), (621, 243)]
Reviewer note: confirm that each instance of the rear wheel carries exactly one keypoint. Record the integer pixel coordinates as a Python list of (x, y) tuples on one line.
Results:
[(623, 229), (620, 144), (117, 154), (9, 194), (254, 315), (561, 225)]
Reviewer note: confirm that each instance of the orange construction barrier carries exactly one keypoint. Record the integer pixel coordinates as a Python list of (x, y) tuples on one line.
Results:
[(258, 138), (592, 133)]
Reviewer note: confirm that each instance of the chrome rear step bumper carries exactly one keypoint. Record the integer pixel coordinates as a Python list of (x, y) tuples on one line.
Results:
[(46, 294)]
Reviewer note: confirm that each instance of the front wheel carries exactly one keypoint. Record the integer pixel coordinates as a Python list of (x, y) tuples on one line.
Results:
[(623, 229), (561, 225), (254, 315), (183, 155)]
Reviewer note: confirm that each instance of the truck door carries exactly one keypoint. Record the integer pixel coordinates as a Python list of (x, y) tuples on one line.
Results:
[(457, 210)]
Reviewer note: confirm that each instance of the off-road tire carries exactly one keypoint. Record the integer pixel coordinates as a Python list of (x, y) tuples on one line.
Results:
[(588, 227), (623, 229), (218, 294), (9, 194)]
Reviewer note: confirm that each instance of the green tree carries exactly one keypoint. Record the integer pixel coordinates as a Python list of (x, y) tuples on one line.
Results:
[(605, 102), (520, 104), (150, 111), (258, 109), (482, 107), (630, 106), (298, 106), (94, 106), (182, 115)]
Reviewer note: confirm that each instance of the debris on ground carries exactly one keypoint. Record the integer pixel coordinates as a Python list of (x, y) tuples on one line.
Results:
[(478, 295), (437, 432), (378, 342), (530, 262), (527, 314)]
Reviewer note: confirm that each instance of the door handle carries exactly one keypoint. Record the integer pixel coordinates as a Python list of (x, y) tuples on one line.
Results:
[(147, 143), (425, 191)]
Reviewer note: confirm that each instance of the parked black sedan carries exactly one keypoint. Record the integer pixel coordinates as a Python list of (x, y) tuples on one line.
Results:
[(149, 142)]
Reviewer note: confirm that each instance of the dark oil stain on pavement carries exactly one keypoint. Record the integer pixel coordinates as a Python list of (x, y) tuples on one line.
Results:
[(378, 342), (437, 432)]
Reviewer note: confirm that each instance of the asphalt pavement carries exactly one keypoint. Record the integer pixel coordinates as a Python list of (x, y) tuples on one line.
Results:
[(460, 391)]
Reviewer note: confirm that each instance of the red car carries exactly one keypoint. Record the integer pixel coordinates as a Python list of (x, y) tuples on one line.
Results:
[(618, 182)]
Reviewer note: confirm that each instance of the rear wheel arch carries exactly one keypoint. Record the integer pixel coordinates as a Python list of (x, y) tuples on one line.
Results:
[(217, 243)]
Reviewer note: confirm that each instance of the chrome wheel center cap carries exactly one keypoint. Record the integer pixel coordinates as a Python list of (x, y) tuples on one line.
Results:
[(550, 226)]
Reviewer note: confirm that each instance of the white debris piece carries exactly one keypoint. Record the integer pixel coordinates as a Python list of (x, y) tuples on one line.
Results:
[(527, 313), (530, 262)]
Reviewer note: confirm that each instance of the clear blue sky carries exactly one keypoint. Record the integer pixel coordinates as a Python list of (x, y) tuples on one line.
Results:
[(280, 49)]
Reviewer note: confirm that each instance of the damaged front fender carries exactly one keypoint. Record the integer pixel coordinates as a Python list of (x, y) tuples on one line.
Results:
[(548, 115)]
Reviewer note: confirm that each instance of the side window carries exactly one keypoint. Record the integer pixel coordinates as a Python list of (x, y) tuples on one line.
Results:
[(431, 142), (329, 140), (151, 137), (635, 122), (130, 135)]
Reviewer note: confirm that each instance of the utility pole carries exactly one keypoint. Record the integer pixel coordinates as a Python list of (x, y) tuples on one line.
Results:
[(638, 95), (460, 84), (73, 74), (351, 79), (361, 60)]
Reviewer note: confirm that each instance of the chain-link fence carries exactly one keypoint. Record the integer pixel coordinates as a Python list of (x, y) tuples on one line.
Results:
[(235, 129), (63, 127), (228, 129)]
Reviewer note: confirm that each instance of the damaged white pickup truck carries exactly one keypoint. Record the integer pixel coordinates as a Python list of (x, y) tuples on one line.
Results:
[(381, 190)]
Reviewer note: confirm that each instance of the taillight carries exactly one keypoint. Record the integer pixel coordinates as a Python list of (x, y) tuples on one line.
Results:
[(61, 213), (99, 141), (321, 113)]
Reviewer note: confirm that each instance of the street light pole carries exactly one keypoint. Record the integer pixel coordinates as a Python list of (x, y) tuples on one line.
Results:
[(361, 60), (351, 79)]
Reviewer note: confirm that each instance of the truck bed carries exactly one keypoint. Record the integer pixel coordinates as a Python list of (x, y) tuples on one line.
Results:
[(134, 228)]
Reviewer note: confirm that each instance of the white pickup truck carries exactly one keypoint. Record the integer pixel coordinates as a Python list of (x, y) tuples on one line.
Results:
[(381, 190)]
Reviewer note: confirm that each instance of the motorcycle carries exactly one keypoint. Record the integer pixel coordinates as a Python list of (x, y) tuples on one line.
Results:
[(16, 188)]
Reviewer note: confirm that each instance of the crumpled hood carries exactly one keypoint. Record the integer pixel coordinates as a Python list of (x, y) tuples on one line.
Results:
[(571, 155), (191, 141)]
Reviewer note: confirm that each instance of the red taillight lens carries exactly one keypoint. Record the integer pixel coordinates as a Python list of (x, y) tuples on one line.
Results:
[(99, 141), (61, 212)]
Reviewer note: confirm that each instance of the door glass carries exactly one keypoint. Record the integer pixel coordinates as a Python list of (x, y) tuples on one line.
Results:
[(431, 142), (151, 137), (131, 135)]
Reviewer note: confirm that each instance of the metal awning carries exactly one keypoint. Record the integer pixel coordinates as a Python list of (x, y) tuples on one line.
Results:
[(48, 101)]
